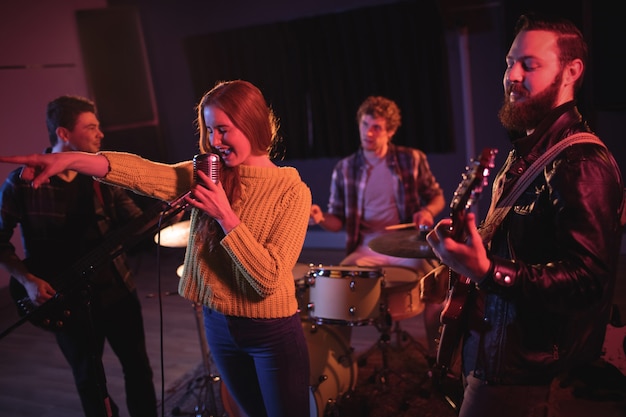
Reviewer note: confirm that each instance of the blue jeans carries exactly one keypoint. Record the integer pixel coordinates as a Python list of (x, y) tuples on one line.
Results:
[(263, 362)]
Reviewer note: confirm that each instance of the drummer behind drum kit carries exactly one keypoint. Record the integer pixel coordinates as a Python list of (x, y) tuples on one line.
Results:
[(330, 297)]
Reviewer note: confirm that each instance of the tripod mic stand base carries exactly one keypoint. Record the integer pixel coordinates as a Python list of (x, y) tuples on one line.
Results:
[(202, 386), (204, 404)]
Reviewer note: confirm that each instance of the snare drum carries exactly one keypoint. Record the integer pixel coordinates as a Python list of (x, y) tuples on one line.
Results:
[(348, 295), (401, 292)]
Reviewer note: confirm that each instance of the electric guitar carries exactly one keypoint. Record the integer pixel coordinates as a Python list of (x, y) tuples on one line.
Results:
[(71, 285), (453, 314)]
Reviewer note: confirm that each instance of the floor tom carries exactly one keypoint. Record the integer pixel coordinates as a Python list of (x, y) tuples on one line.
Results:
[(401, 292)]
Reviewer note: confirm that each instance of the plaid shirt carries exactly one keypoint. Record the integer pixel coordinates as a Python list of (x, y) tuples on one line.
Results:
[(414, 186), (63, 221)]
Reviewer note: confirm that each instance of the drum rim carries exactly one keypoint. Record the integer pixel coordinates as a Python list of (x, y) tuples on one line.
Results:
[(341, 322), (354, 271)]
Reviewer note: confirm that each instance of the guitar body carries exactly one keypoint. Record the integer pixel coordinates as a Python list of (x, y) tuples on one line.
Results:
[(453, 321), (58, 313), (72, 284)]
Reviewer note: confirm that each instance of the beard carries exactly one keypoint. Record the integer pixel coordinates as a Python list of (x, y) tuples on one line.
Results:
[(526, 115)]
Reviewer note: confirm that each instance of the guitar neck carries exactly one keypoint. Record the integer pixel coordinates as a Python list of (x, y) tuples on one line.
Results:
[(125, 238), (453, 314)]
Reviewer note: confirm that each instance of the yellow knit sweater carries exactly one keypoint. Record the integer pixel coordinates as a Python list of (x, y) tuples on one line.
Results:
[(251, 274)]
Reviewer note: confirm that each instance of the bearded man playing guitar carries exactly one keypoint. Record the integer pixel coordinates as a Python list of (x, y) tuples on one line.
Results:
[(541, 279)]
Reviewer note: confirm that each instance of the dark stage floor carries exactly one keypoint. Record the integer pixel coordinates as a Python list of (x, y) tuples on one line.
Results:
[(36, 382)]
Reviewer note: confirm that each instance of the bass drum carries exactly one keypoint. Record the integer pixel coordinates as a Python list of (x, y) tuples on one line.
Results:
[(333, 370)]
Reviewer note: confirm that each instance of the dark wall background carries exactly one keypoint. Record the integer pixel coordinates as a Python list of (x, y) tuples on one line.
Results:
[(467, 94), (316, 71)]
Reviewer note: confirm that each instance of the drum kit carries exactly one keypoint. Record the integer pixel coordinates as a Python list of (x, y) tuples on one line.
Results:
[(331, 297)]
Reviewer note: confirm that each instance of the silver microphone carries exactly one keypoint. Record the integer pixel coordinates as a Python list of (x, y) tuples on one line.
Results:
[(209, 163)]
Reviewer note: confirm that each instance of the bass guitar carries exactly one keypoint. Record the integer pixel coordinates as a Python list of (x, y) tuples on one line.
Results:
[(72, 284), (453, 314)]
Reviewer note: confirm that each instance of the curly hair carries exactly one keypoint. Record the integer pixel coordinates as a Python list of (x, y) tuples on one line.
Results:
[(378, 106)]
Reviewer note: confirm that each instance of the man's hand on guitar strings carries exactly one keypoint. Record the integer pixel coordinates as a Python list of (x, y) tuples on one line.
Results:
[(467, 258), (39, 291)]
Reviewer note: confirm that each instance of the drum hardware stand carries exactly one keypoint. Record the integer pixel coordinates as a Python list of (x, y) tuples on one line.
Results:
[(387, 326), (202, 384), (384, 326), (404, 336)]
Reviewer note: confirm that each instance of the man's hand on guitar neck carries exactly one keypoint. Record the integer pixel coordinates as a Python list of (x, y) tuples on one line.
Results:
[(467, 258)]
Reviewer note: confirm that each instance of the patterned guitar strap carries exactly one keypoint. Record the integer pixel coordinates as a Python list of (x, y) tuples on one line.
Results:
[(103, 225)]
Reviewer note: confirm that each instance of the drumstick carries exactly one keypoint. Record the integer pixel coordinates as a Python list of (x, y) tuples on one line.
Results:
[(400, 226)]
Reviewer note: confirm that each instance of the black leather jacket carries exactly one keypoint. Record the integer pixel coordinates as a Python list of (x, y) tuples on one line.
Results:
[(559, 247)]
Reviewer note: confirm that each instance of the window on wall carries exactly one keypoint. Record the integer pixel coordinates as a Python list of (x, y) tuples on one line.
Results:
[(315, 72)]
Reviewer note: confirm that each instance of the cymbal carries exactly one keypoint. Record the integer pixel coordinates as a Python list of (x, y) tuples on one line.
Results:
[(174, 236), (403, 244)]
